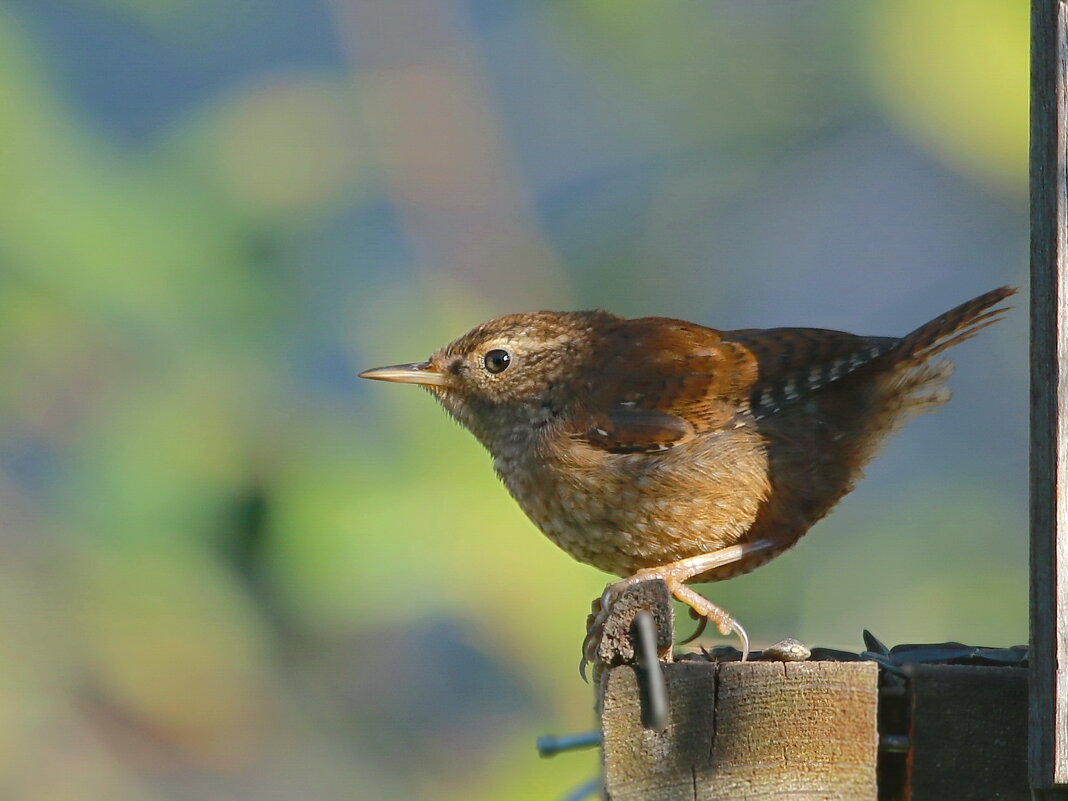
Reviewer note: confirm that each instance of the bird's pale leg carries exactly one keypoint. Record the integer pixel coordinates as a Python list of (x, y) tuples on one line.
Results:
[(709, 611), (675, 575)]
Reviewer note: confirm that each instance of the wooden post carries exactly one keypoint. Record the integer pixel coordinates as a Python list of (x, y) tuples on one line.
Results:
[(968, 733), (900, 724), (1048, 740), (752, 730)]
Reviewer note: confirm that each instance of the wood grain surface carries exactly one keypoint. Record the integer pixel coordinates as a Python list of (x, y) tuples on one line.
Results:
[(752, 730), (1049, 400)]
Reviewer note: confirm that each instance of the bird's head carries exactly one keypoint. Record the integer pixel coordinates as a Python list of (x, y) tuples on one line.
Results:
[(512, 376)]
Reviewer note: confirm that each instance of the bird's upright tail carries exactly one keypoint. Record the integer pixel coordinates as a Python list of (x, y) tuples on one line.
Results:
[(955, 326)]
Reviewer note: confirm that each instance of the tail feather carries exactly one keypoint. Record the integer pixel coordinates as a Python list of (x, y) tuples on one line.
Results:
[(955, 326)]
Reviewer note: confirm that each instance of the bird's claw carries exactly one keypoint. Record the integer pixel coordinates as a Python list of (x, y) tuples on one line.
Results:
[(726, 628), (702, 624), (598, 616), (733, 626)]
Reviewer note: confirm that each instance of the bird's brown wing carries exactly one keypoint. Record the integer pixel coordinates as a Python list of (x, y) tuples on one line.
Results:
[(667, 381), (674, 380), (663, 382)]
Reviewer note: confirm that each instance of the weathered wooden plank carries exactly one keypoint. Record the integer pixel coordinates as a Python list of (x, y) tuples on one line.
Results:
[(794, 730), (644, 765), (616, 646), (754, 730), (1049, 398), (968, 733)]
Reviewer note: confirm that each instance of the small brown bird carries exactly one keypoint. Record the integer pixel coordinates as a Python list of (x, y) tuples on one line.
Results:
[(660, 448)]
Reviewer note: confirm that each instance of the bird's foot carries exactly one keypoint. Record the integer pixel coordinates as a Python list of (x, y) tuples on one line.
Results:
[(700, 606), (675, 575)]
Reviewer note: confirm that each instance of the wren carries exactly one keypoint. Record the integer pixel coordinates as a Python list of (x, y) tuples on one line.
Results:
[(658, 448)]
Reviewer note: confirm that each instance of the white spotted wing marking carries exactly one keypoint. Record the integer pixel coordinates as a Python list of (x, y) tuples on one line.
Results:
[(797, 362)]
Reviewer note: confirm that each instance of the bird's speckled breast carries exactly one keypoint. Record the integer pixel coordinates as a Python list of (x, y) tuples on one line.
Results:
[(656, 508)]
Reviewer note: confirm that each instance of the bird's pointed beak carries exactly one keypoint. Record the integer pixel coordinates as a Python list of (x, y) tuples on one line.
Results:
[(419, 373)]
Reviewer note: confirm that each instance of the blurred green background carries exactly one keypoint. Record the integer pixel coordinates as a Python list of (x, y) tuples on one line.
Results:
[(232, 571)]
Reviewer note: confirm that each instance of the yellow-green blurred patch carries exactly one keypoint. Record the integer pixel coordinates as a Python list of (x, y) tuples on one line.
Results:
[(286, 144), (175, 645), (954, 74)]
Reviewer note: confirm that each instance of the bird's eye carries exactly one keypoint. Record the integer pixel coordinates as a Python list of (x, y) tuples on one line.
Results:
[(497, 360)]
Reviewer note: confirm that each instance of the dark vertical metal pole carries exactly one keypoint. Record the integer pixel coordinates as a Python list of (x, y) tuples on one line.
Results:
[(1049, 394)]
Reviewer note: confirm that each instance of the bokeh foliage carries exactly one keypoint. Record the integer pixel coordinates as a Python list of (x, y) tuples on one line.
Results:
[(232, 572)]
